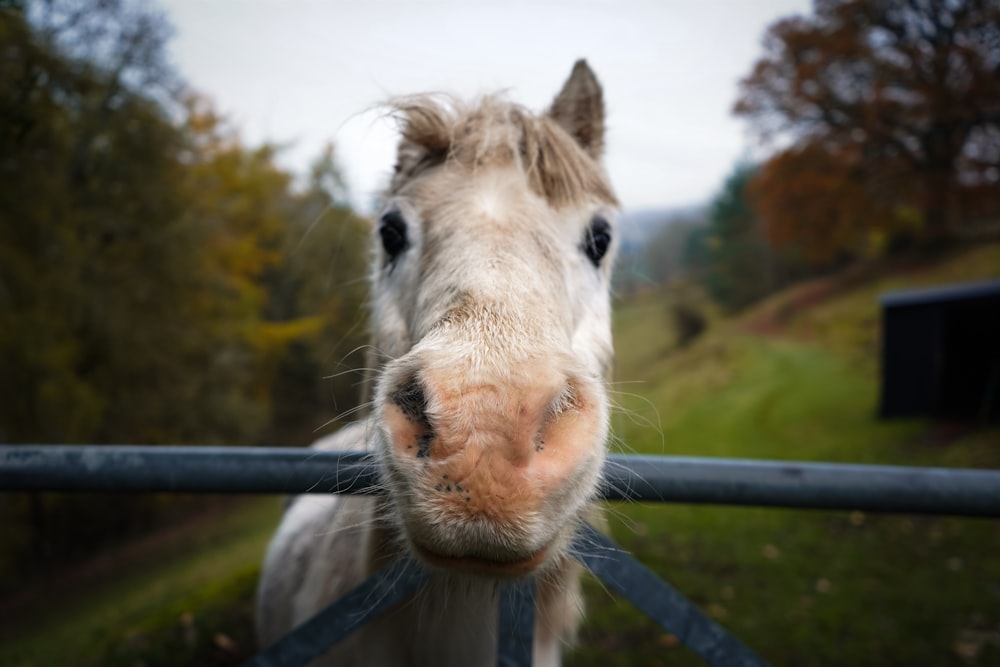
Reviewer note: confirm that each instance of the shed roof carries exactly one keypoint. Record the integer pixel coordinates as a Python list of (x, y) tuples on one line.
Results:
[(944, 294)]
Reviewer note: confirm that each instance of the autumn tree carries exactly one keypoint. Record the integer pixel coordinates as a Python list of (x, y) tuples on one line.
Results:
[(316, 297), (92, 346), (160, 281), (903, 96), (818, 210), (153, 269), (288, 277), (88, 246)]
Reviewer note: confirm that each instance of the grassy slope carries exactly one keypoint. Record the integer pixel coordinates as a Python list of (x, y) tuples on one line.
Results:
[(175, 599), (800, 587)]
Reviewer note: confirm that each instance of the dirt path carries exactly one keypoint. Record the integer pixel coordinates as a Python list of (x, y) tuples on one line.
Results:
[(771, 318)]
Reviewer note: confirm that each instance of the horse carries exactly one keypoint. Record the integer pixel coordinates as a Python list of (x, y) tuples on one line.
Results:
[(490, 313)]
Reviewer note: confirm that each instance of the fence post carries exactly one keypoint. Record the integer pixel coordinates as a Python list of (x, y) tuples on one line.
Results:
[(660, 601), (517, 623), (373, 597)]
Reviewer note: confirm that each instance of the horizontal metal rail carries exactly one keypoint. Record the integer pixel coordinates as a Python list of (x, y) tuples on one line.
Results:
[(679, 479)]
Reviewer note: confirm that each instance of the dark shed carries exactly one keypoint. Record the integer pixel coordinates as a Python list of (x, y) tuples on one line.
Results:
[(941, 352)]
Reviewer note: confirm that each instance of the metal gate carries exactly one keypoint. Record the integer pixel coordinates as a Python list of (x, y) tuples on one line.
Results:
[(795, 484)]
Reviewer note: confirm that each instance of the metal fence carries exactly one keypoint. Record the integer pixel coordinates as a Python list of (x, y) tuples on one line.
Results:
[(795, 484)]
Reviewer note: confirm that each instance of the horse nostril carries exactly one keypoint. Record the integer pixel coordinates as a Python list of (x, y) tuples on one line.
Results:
[(412, 401), (414, 430)]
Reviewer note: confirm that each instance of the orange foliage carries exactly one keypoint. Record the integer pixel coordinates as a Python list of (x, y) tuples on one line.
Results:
[(817, 203), (908, 90)]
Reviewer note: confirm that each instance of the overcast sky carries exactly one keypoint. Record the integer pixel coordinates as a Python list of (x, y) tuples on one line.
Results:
[(307, 73)]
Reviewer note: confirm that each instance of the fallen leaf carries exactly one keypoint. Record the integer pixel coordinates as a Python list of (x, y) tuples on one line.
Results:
[(717, 611), (225, 643)]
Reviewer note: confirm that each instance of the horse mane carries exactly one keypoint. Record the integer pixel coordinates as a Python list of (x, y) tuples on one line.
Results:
[(439, 129)]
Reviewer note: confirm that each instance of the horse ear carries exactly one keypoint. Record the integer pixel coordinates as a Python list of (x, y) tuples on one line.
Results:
[(579, 109)]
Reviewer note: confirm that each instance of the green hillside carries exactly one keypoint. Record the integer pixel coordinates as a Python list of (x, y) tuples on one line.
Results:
[(796, 378), (181, 597)]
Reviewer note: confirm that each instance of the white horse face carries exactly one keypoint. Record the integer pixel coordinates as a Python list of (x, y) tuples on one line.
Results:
[(492, 298)]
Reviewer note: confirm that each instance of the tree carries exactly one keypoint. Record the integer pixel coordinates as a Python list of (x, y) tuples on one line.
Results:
[(910, 87), (88, 248), (93, 345), (816, 207), (730, 250), (126, 40), (160, 282), (316, 304)]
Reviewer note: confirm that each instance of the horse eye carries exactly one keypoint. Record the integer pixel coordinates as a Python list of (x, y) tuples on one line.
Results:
[(392, 229), (597, 240)]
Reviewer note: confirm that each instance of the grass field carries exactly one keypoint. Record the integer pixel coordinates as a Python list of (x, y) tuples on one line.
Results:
[(183, 597), (800, 587), (793, 379)]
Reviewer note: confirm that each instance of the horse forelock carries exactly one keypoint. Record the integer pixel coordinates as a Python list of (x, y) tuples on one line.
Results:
[(494, 132)]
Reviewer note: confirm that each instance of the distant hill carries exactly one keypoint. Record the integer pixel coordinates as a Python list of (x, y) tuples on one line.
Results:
[(638, 225)]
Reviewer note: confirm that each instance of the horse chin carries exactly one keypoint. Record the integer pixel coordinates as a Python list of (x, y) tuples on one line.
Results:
[(484, 567), (485, 549)]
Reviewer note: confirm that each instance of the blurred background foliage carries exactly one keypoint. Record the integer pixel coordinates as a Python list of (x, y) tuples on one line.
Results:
[(880, 124), (160, 281)]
